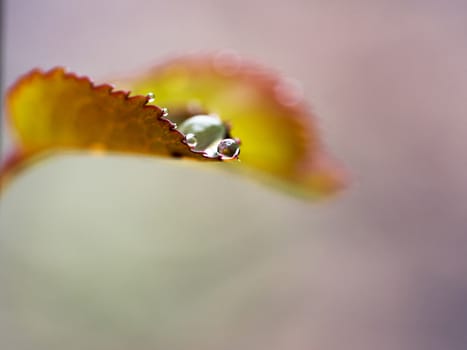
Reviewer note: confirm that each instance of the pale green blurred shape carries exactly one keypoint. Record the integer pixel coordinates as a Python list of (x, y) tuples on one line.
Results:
[(160, 254)]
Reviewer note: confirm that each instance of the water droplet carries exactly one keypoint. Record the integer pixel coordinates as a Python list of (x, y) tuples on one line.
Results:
[(151, 97), (191, 140), (165, 112), (208, 131), (228, 149)]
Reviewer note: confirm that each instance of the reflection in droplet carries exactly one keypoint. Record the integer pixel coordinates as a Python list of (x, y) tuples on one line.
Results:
[(228, 149), (191, 140), (165, 112), (151, 97)]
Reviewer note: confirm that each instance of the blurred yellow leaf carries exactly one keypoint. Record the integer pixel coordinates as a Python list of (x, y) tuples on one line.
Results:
[(279, 138)]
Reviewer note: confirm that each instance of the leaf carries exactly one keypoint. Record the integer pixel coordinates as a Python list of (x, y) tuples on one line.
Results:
[(278, 133), (280, 144), (59, 111)]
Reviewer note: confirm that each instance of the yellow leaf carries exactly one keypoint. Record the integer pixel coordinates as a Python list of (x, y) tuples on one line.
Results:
[(57, 111)]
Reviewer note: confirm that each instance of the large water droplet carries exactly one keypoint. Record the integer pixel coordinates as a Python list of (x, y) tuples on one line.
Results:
[(228, 149), (191, 140), (208, 131)]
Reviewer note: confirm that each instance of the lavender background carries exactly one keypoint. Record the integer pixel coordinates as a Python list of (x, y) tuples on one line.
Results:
[(137, 253)]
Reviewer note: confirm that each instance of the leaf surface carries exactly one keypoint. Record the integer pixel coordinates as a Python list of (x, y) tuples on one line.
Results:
[(58, 110)]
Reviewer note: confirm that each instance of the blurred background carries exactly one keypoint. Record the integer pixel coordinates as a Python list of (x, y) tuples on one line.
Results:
[(141, 253)]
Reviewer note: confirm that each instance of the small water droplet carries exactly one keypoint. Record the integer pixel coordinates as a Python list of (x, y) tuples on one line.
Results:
[(165, 112), (151, 97), (191, 140), (228, 149)]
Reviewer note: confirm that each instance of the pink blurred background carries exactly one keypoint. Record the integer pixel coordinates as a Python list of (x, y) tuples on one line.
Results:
[(131, 253)]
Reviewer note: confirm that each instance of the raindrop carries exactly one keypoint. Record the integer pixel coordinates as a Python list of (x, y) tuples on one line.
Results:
[(151, 97), (191, 140), (165, 112), (228, 149), (208, 131)]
